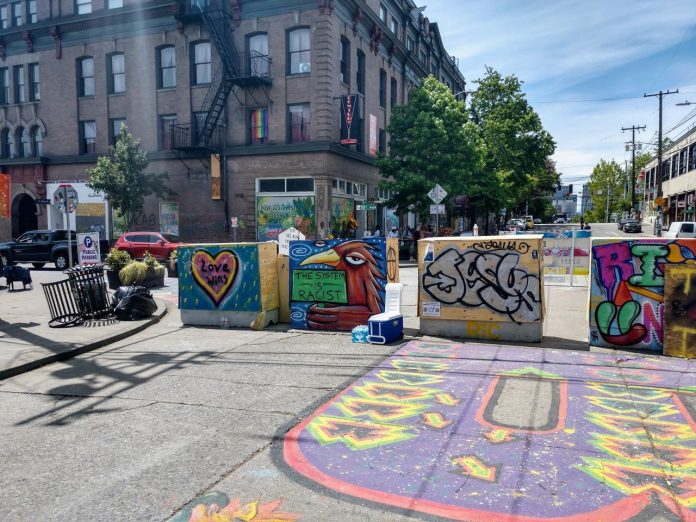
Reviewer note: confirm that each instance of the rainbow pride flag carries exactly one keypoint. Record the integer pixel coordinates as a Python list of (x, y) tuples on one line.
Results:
[(259, 125)]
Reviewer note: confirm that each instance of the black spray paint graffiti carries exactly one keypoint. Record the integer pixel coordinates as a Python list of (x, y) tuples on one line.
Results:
[(490, 279)]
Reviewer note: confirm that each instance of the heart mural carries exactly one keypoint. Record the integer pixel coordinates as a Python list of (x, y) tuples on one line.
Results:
[(214, 275)]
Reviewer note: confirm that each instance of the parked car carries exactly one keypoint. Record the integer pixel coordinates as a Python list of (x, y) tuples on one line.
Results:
[(632, 226), (621, 222), (679, 229), (537, 221), (517, 223), (39, 247), (137, 243), (559, 221)]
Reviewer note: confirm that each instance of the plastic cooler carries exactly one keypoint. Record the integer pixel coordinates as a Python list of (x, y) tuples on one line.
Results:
[(389, 325)]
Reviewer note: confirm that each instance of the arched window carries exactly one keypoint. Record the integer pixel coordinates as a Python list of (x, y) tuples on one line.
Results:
[(22, 142), (258, 55), (5, 143), (37, 142)]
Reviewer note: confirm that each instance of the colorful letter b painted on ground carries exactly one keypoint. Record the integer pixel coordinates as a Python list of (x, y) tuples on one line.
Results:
[(627, 291)]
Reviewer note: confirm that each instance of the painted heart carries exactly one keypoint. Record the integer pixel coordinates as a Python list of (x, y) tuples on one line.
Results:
[(214, 275)]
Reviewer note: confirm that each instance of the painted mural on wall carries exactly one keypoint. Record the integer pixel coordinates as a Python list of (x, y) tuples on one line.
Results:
[(218, 507), (5, 196), (219, 277), (439, 428), (627, 290), (277, 213), (486, 279), (561, 252), (342, 211), (337, 284), (680, 311)]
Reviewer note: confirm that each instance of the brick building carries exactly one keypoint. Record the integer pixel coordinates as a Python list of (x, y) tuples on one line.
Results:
[(242, 102)]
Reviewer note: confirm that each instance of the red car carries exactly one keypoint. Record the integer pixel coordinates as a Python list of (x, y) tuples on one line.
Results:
[(137, 243)]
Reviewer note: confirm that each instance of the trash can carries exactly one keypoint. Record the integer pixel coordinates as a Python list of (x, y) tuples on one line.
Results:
[(61, 303), (89, 289)]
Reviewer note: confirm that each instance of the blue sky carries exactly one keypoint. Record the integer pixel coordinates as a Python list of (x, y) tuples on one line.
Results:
[(568, 51)]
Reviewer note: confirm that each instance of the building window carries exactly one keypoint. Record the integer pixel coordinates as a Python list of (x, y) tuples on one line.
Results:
[(382, 88), (410, 43), (433, 68), (88, 137), (675, 162), (34, 82), (198, 119), (117, 73), (22, 142), (166, 130), (115, 4), (37, 142), (345, 61), (382, 141), (5, 143), (682, 161), (285, 185), (692, 157), (258, 55), (86, 68), (394, 26), (4, 22), (166, 57), (83, 6), (422, 56), (258, 126), (360, 73), (394, 94), (383, 13), (32, 13), (17, 14), (299, 51), (201, 63), (116, 124), (4, 86), (299, 123), (19, 84)]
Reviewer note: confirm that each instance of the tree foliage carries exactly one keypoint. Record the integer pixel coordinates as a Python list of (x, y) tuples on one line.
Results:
[(607, 183), (432, 141), (517, 146), (121, 176)]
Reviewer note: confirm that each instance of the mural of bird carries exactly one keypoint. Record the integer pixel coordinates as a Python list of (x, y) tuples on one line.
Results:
[(364, 286)]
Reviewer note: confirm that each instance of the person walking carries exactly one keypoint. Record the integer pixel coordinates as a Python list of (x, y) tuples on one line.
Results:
[(393, 233)]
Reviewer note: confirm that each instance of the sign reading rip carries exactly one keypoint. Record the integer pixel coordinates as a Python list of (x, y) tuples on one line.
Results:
[(321, 286)]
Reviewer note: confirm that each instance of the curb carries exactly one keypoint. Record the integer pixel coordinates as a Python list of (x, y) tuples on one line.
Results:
[(104, 341)]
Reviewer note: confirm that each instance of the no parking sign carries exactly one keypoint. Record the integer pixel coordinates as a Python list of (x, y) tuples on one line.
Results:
[(88, 248)]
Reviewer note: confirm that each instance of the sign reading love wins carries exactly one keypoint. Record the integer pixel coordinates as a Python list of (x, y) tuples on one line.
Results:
[(214, 275)]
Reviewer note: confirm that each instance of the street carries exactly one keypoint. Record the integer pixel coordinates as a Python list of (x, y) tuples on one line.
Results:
[(612, 230)]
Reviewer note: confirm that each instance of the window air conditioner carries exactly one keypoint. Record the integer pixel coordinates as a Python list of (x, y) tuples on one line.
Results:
[(304, 67)]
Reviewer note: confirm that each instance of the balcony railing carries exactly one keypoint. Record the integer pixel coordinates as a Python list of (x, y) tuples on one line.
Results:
[(184, 136)]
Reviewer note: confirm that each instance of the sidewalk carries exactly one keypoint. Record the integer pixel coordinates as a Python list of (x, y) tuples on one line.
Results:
[(26, 340)]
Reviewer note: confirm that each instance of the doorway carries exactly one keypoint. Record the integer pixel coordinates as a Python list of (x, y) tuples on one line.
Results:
[(23, 215)]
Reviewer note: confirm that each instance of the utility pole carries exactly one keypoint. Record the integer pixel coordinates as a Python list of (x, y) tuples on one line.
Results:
[(633, 130), (658, 220)]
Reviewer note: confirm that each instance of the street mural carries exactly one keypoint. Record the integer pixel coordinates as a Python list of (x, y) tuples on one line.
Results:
[(627, 290), (277, 213), (489, 433), (224, 277), (488, 279), (218, 507), (680, 311), (561, 252), (337, 284)]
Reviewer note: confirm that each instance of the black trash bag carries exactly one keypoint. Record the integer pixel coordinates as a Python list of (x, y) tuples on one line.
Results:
[(133, 303)]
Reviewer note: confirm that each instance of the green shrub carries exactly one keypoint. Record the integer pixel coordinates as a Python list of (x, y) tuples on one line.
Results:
[(150, 260), (174, 255), (117, 259), (134, 272)]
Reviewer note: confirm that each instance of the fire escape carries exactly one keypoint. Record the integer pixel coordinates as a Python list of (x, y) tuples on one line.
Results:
[(247, 70)]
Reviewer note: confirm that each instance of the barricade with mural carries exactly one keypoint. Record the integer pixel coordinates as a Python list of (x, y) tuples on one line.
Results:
[(566, 251), (338, 284), (232, 284), (488, 287), (643, 295)]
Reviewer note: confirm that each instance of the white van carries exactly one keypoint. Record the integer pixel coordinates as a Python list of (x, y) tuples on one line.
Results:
[(679, 229)]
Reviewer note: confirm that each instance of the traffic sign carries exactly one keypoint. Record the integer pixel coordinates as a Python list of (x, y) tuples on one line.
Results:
[(437, 194), (59, 197), (366, 206), (437, 209), (42, 201)]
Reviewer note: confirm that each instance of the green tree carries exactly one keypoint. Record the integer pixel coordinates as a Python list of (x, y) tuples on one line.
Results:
[(432, 140), (121, 176), (517, 146), (607, 183)]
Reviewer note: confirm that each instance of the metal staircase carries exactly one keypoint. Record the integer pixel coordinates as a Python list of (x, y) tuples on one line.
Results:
[(236, 70)]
